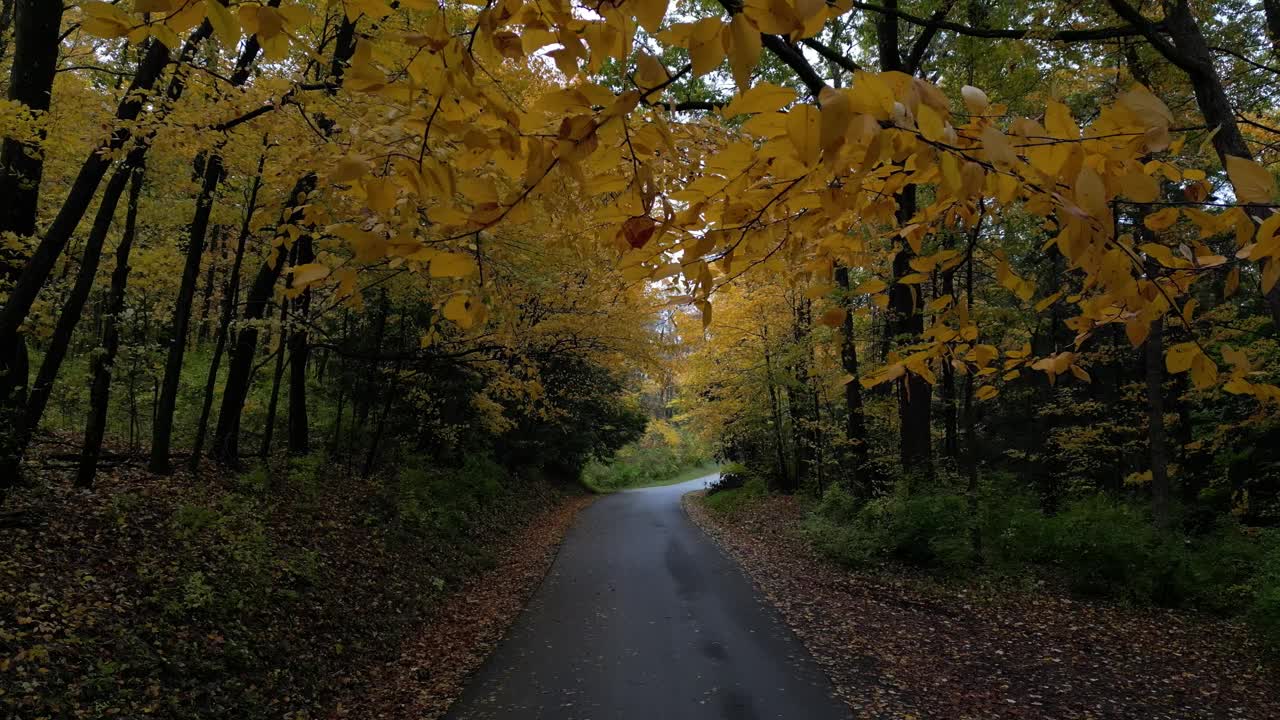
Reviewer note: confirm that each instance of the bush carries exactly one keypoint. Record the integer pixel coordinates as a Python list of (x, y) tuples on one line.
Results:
[(931, 530), (732, 477), (728, 501)]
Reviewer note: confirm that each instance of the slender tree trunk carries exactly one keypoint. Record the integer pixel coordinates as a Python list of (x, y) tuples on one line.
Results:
[(801, 417), (268, 431), (970, 421), (162, 433), (226, 437), (299, 351), (1154, 359), (102, 365), (35, 61), (211, 271), (784, 472), (230, 293), (951, 443), (855, 429)]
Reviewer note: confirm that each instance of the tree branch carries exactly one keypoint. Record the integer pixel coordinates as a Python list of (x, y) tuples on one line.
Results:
[(1109, 33)]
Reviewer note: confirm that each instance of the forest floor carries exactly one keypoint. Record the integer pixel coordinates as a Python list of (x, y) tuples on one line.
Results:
[(305, 592), (906, 646)]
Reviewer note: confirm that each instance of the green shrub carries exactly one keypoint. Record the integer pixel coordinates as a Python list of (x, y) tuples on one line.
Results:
[(737, 498)]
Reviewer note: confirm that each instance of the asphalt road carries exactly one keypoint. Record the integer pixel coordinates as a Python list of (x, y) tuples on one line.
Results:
[(643, 618)]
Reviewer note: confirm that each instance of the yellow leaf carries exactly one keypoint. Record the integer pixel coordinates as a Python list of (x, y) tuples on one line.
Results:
[(1204, 372), (1252, 182), (803, 132), (1080, 373), (649, 13), (1232, 283), (1270, 274), (833, 317), (224, 23), (744, 49), (381, 194), (1161, 219), (1057, 120), (763, 98), (309, 273), (986, 392), (453, 265), (348, 168), (1139, 187), (706, 51), (1137, 331), (1180, 357), (929, 122), (871, 287)]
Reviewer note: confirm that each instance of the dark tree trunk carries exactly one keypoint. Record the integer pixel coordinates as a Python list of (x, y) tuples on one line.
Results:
[(162, 433), (775, 404), (230, 293), (35, 61), (269, 429), (299, 350), (103, 364), (802, 419), (915, 394), (855, 428), (210, 273), (1154, 360), (226, 437)]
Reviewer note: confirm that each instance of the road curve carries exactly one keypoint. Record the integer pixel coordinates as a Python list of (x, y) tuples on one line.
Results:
[(643, 618)]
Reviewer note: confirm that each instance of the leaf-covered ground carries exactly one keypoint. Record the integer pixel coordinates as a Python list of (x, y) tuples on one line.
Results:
[(465, 627), (281, 596), (905, 647)]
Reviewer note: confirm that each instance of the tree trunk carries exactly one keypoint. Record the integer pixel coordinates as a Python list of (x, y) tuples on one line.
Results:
[(802, 420), (162, 433), (855, 427), (1154, 357), (269, 429), (211, 271), (230, 293), (35, 61), (226, 437), (915, 394), (299, 351), (103, 364), (784, 472)]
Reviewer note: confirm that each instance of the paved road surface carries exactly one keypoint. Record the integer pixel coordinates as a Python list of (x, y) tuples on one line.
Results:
[(643, 618)]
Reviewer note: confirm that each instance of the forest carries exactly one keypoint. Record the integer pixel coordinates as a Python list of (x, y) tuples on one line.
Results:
[(323, 320)]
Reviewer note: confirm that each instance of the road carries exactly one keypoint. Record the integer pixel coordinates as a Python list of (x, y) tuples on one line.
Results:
[(642, 617)]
